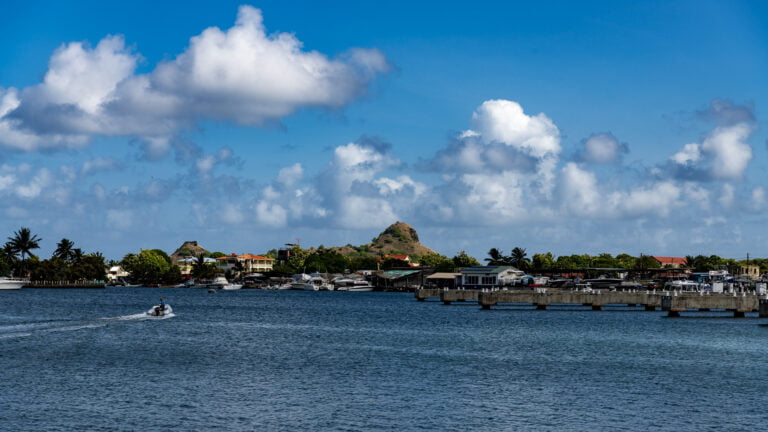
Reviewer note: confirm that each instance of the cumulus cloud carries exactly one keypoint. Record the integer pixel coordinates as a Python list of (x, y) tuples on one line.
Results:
[(352, 191), (505, 122), (241, 75), (602, 148), (724, 153)]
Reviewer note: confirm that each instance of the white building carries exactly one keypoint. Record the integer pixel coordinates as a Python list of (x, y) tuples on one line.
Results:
[(480, 277)]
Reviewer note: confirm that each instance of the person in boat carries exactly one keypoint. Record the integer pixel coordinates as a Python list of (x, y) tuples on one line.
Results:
[(161, 307)]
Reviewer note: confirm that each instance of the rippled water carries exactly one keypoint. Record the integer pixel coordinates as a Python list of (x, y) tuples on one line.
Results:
[(287, 360)]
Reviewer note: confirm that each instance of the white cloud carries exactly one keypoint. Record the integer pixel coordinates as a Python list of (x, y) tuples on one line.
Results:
[(724, 154), (578, 191), (99, 164), (290, 175), (6, 181), (273, 215), (504, 121), (388, 186), (657, 199), (690, 154), (35, 187), (242, 75), (84, 77), (356, 212), (730, 153), (602, 148)]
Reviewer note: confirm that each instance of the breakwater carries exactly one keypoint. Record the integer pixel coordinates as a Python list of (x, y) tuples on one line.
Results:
[(672, 302)]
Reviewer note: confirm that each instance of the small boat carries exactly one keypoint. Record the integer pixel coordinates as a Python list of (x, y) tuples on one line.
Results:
[(220, 282), (156, 311), (12, 284)]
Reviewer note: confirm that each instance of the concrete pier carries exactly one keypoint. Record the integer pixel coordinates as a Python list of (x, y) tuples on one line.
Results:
[(449, 296), (690, 302), (763, 308), (670, 302), (596, 300), (422, 294)]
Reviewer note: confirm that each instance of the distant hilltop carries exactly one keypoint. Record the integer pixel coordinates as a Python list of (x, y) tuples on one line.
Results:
[(189, 248), (398, 239)]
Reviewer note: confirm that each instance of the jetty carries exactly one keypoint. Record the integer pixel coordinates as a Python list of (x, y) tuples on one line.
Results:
[(674, 303)]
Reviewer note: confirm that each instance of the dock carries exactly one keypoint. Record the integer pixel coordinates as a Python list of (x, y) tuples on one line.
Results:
[(674, 303), (65, 284)]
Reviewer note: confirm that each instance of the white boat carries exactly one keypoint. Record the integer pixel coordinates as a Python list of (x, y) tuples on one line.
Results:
[(360, 286), (682, 285), (11, 284), (220, 282), (156, 311)]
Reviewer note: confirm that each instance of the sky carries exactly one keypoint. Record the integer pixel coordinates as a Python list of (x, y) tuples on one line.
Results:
[(563, 127)]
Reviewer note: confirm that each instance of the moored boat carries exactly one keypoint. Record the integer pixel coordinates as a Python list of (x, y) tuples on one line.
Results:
[(11, 284)]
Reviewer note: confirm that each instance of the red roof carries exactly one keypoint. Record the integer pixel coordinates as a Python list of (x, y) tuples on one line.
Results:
[(670, 260)]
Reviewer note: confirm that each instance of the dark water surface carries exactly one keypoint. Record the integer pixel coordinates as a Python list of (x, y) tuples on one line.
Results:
[(287, 360)]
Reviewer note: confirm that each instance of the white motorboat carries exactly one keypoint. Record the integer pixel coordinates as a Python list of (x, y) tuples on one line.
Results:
[(360, 286), (11, 284), (220, 282), (682, 285), (159, 311)]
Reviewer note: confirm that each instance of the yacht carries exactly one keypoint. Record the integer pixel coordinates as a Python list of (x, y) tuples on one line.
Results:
[(11, 284)]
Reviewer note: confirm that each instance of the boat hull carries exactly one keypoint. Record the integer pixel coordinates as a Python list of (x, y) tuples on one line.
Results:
[(11, 284)]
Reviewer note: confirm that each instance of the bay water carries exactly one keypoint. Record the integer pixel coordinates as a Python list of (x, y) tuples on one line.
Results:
[(290, 360)]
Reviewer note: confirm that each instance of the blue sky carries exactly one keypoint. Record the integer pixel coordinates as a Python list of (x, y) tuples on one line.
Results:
[(564, 127)]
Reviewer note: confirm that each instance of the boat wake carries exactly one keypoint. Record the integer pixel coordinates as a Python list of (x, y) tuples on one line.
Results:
[(26, 329)]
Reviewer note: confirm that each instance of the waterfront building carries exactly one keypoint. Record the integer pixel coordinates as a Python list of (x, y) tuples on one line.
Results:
[(443, 280), (481, 277), (249, 263), (670, 262), (116, 272), (748, 272)]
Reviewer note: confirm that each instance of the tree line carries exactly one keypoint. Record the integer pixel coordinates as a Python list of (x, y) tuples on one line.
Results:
[(67, 263), (546, 261)]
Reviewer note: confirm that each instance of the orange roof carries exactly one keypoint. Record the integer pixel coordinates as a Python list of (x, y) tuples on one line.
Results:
[(253, 257), (670, 260), (399, 257)]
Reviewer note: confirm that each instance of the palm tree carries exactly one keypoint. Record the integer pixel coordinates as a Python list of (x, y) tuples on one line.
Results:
[(23, 242), (519, 258), (64, 249), (77, 255), (199, 267), (495, 257)]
